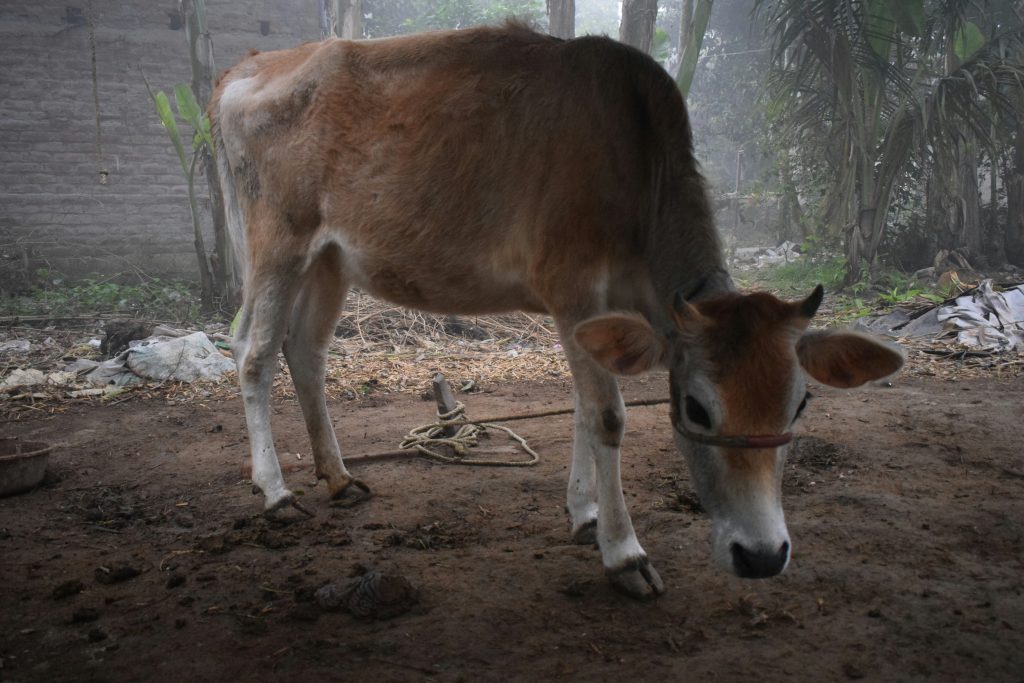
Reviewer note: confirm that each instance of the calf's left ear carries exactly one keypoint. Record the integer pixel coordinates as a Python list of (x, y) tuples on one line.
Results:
[(846, 359), (622, 343)]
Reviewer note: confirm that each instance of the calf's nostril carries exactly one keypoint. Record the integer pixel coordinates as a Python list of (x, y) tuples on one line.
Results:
[(740, 560), (758, 563)]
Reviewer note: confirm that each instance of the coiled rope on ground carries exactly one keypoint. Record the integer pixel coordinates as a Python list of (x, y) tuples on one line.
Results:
[(467, 435)]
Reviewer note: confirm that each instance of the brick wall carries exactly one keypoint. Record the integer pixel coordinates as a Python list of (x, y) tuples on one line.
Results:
[(54, 212)]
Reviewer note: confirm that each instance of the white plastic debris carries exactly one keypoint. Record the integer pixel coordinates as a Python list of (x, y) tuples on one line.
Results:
[(61, 378), (15, 346), (24, 378), (982, 319), (986, 319), (765, 256), (81, 366), (182, 359)]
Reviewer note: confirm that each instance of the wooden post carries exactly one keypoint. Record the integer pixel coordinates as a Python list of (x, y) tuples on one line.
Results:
[(445, 399), (736, 193)]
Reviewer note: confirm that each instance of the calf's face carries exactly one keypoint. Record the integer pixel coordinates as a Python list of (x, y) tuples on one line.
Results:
[(738, 370)]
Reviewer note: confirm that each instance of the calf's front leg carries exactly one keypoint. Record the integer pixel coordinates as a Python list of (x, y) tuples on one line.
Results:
[(600, 424)]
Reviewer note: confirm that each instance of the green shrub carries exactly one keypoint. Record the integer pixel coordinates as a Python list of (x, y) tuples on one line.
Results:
[(155, 299), (798, 278)]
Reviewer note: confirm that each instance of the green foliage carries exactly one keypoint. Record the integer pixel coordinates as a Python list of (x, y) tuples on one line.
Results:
[(661, 45), (898, 296), (189, 112), (800, 277), (156, 299), (901, 288), (867, 106), (170, 124), (879, 27), (909, 16), (235, 322), (847, 308), (969, 40)]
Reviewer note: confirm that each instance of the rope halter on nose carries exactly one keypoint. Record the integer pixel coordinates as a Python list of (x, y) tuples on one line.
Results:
[(738, 441)]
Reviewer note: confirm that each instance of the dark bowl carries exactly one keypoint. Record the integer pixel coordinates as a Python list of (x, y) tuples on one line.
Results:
[(22, 464)]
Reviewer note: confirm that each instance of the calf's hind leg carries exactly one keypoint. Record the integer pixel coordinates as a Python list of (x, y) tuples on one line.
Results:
[(269, 292), (310, 330)]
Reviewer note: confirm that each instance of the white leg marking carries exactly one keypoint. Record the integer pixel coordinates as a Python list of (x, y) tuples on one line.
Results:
[(581, 496)]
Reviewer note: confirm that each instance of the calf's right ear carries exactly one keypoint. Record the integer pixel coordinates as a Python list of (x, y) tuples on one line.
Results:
[(622, 343)]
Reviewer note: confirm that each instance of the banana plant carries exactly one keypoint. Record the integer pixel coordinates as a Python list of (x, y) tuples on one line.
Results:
[(190, 113)]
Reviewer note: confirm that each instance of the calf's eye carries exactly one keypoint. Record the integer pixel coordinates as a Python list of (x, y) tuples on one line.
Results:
[(696, 413), (803, 404)]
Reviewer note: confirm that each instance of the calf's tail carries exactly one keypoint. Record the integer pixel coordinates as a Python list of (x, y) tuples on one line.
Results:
[(233, 218)]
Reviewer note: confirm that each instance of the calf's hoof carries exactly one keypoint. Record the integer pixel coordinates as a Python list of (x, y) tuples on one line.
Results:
[(637, 578), (275, 500), (281, 500), (351, 493), (586, 533)]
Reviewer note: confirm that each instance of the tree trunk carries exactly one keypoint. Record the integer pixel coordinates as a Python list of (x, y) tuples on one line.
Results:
[(953, 204), (348, 16), (695, 22), (1014, 184), (938, 211), (970, 227), (326, 20), (562, 18), (860, 237), (857, 246), (995, 233), (341, 18), (205, 277), (791, 219), (637, 27), (685, 26)]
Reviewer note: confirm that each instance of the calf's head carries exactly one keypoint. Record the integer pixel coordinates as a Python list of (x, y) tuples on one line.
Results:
[(738, 368)]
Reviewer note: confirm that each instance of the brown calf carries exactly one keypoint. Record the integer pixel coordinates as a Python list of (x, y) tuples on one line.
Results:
[(494, 169)]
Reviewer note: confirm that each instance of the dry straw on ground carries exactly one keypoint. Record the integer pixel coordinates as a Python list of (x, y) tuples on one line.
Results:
[(384, 349)]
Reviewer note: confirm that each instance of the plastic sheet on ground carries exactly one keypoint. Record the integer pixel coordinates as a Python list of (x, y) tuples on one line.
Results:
[(182, 359), (760, 257), (15, 346), (982, 319), (23, 378)]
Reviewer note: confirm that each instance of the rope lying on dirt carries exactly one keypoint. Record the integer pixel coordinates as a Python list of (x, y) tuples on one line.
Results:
[(465, 437), (639, 402), (420, 438)]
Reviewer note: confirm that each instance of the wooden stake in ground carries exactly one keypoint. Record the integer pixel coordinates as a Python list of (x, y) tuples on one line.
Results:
[(445, 399)]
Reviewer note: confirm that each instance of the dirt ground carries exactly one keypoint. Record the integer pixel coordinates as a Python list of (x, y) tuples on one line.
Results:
[(905, 506)]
